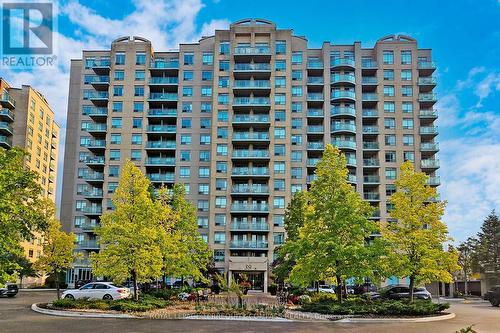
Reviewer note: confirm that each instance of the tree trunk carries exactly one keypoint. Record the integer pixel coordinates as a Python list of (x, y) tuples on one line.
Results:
[(240, 301), (317, 287), (57, 286), (339, 289), (134, 279), (466, 287), (412, 285)]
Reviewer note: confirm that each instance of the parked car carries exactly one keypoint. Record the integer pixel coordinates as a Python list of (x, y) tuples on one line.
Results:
[(98, 290), (493, 295), (81, 283), (323, 288), (400, 292), (360, 289), (10, 290)]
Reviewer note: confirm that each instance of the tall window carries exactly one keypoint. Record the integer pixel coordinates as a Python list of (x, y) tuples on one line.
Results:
[(406, 57), (224, 47), (120, 58), (188, 58), (280, 47), (207, 58), (388, 57), (140, 58)]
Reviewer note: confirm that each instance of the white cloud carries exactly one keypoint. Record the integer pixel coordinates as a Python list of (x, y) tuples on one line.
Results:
[(165, 22), (486, 86)]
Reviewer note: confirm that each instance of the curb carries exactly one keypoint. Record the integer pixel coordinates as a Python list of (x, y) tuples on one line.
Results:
[(242, 318), (396, 320), (59, 313), (38, 290)]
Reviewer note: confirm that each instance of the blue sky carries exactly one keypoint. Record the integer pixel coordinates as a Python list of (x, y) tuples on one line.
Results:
[(464, 36)]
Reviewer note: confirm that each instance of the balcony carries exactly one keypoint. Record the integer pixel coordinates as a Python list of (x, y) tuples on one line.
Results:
[(248, 85), (98, 112), (99, 82), (315, 113), (430, 114), (315, 146), (96, 145), (338, 127), (344, 144), (312, 162), (252, 67), (368, 65), (161, 177), (371, 163), (433, 181), (163, 81), (101, 66), (93, 177), (372, 179), (251, 102), (250, 136), (343, 95), (427, 99), (351, 178), (342, 63), (97, 128), (429, 130), (6, 115), (162, 65), (53, 143), (5, 142), (92, 211), (315, 81), (161, 129), (429, 146), (250, 154), (251, 119), (99, 98), (242, 226), (162, 113), (351, 161), (160, 161), (369, 97), (95, 160), (87, 245), (342, 79), (160, 97), (5, 128), (343, 111), (88, 226), (314, 64), (248, 245), (315, 129), (370, 146), (426, 68), (96, 193), (249, 208), (254, 189), (370, 113), (370, 129), (429, 164), (7, 101), (315, 97), (371, 196), (257, 51), (427, 83), (160, 145), (250, 172), (311, 178), (369, 81)]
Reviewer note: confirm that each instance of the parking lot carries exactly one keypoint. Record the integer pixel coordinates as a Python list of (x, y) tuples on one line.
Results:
[(17, 317)]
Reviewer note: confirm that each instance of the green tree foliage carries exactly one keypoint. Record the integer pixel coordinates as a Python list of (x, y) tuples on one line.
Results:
[(416, 240), (129, 235), (332, 243), (21, 210), (58, 248), (487, 249), (466, 258)]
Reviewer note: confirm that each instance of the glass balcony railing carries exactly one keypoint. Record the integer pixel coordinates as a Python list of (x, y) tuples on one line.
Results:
[(162, 64), (96, 127), (160, 161), (101, 63), (162, 128), (250, 153), (98, 95), (371, 162), (351, 178), (426, 65), (334, 62), (351, 161), (160, 144), (249, 207), (249, 245), (92, 210), (251, 119), (315, 97), (343, 94), (5, 141), (250, 136), (7, 100), (315, 80), (93, 176), (433, 181), (429, 130), (258, 50), (369, 80), (163, 96), (428, 113), (368, 64), (370, 113), (430, 163), (252, 67), (337, 78), (369, 97), (344, 144), (316, 145), (339, 111), (311, 178), (97, 111), (370, 129), (95, 160), (429, 146), (312, 162), (338, 126), (87, 245), (250, 189), (427, 97), (163, 80), (161, 177), (95, 193), (370, 145), (249, 226), (6, 113), (371, 179), (90, 79), (252, 84), (315, 64), (315, 113), (88, 226), (315, 129), (162, 112), (371, 196), (251, 101), (255, 171), (6, 127), (423, 81), (96, 144)]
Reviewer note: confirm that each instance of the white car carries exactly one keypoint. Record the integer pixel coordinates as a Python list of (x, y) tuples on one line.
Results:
[(323, 288), (98, 290)]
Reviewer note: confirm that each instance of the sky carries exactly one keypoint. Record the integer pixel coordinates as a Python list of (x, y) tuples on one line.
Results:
[(463, 34)]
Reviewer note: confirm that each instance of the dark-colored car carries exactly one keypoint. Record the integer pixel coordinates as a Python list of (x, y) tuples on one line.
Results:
[(493, 295), (360, 289), (81, 283), (10, 290), (400, 292)]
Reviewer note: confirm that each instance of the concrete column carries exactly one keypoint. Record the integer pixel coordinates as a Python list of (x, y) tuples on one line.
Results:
[(265, 281)]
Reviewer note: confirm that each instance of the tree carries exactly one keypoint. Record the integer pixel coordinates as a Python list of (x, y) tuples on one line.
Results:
[(488, 245), (129, 235), (184, 252), (332, 243), (26, 269), (294, 220), (230, 285), (465, 260), (58, 248), (21, 209), (416, 240)]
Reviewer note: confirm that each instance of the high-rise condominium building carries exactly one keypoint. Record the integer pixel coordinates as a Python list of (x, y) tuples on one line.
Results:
[(241, 119), (27, 121)]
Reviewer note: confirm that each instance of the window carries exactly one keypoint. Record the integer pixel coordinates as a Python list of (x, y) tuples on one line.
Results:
[(116, 139), (220, 184), (137, 139), (118, 91), (220, 220), (206, 107), (279, 150), (279, 99), (407, 123), (140, 58), (202, 222), (388, 57), (135, 155), (279, 132), (120, 58), (205, 122), (279, 167), (390, 156), (297, 58), (114, 155), (296, 156), (188, 58), (390, 140), (187, 107), (184, 172), (279, 202), (223, 65), (406, 75), (389, 123), (204, 156), (405, 57), (220, 202), (116, 123), (280, 65), (222, 115), (203, 189), (186, 123), (223, 81), (279, 115), (409, 156), (221, 150), (138, 106), (222, 132), (140, 75), (204, 172), (203, 205), (206, 91), (296, 107), (389, 107), (279, 220), (224, 47), (119, 75), (406, 91), (280, 47), (221, 167), (389, 91), (219, 237), (187, 75), (296, 75), (296, 139), (185, 139), (137, 123), (388, 75), (390, 173), (407, 107), (296, 123), (297, 91), (204, 139), (187, 91), (114, 170), (278, 238), (280, 82), (185, 155), (207, 58), (390, 189), (408, 140), (279, 185), (219, 255)]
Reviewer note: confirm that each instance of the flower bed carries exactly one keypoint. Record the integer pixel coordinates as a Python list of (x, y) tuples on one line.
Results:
[(147, 303)]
